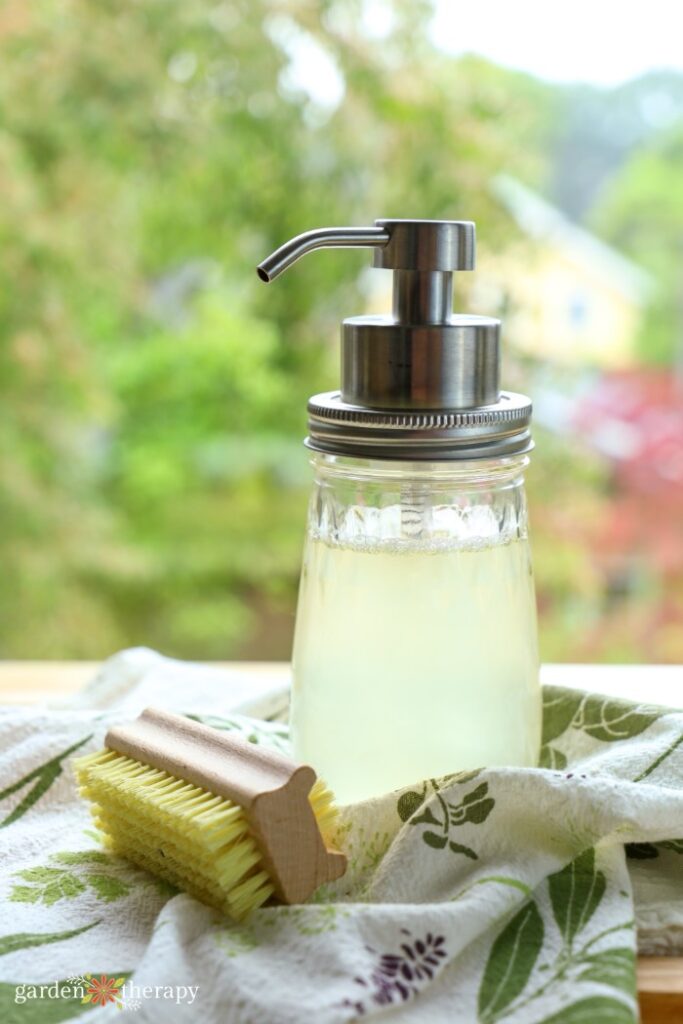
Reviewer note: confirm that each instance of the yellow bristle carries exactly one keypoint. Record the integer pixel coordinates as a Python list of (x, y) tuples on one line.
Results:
[(325, 810), (187, 835)]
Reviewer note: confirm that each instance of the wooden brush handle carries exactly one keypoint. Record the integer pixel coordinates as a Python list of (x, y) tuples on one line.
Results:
[(218, 761), (271, 788)]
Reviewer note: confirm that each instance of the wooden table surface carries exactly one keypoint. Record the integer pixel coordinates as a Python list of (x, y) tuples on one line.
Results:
[(660, 979)]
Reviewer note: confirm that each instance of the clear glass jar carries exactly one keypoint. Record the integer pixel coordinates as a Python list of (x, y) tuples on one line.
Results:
[(415, 650)]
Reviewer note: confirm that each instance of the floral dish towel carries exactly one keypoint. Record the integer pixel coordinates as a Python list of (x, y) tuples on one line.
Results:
[(516, 895)]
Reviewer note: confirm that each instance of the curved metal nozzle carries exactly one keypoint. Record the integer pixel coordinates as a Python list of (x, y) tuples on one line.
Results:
[(321, 238)]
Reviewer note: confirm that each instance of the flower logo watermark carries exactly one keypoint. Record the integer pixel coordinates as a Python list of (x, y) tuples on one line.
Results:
[(104, 990)]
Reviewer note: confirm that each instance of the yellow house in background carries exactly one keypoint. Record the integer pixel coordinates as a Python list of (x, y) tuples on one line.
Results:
[(566, 297)]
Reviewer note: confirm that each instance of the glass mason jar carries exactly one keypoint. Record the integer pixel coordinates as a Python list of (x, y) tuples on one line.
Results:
[(415, 650)]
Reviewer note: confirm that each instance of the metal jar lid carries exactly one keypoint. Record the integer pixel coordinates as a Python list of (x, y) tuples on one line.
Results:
[(421, 383), (488, 431)]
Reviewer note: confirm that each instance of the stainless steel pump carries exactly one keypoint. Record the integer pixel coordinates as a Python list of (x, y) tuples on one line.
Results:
[(423, 382)]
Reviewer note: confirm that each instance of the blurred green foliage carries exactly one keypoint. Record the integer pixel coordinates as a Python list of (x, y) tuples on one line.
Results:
[(643, 216), (152, 391)]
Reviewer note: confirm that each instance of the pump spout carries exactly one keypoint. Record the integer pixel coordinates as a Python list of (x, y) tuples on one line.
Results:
[(423, 381), (321, 238)]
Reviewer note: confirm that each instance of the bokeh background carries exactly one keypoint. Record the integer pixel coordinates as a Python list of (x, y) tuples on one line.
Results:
[(152, 392)]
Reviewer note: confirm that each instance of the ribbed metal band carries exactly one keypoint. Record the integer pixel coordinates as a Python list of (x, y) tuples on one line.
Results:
[(486, 432)]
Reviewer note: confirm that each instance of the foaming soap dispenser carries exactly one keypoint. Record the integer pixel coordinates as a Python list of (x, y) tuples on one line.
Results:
[(415, 651)]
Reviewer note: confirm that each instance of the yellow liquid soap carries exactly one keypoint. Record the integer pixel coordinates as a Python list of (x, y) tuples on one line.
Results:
[(411, 664)]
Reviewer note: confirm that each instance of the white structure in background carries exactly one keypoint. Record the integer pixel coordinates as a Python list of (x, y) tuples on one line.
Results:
[(566, 297)]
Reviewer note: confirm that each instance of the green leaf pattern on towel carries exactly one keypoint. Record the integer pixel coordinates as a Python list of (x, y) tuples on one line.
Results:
[(267, 734), (594, 1010), (575, 893), (43, 776), (613, 967), (601, 718), (560, 708), (613, 720), (72, 872), (511, 961), (551, 757), (441, 815), (650, 851), (26, 940)]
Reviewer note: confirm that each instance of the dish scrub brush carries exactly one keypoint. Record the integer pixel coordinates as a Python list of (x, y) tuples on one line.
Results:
[(232, 823)]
